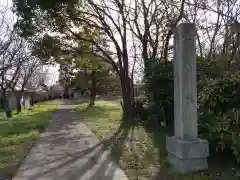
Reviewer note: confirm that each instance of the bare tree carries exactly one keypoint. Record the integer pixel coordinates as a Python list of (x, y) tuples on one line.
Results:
[(12, 60), (28, 72)]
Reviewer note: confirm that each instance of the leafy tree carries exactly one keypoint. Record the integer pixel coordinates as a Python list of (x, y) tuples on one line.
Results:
[(66, 76), (95, 25)]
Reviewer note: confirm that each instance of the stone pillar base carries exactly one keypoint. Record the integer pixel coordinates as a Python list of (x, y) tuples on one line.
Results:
[(187, 155)]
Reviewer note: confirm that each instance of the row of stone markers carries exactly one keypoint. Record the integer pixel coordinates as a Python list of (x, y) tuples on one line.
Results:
[(186, 152)]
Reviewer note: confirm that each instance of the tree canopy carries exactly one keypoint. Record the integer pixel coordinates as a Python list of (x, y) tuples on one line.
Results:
[(127, 34)]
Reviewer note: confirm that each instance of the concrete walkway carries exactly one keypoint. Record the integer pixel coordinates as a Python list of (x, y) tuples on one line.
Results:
[(68, 151)]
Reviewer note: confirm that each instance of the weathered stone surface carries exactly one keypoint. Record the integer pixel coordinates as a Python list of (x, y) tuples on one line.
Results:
[(187, 165), (185, 149), (187, 156), (186, 152), (185, 86)]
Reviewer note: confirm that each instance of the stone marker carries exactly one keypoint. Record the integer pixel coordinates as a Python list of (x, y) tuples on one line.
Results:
[(186, 152)]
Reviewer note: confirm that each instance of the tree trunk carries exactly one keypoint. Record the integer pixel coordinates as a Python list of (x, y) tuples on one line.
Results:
[(31, 100), (18, 99), (66, 93), (166, 46), (7, 106), (2, 101), (93, 89), (128, 102)]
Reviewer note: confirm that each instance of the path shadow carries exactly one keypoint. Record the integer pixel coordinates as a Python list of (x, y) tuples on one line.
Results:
[(60, 151), (116, 144), (125, 135), (120, 138), (158, 135)]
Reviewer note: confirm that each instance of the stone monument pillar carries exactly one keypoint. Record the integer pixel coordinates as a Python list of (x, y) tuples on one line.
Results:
[(186, 152)]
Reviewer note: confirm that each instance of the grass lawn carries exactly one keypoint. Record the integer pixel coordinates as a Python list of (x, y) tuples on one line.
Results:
[(19, 135), (140, 152)]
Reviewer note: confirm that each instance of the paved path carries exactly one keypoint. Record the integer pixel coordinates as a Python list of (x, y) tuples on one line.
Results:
[(68, 151)]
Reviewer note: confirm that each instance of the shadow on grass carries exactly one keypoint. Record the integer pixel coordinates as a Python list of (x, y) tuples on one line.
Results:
[(125, 147), (141, 159), (136, 165), (221, 166), (115, 143), (158, 137), (119, 139)]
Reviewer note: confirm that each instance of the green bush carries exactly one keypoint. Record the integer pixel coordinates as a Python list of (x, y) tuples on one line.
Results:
[(148, 114), (141, 104), (219, 113), (159, 89), (218, 101)]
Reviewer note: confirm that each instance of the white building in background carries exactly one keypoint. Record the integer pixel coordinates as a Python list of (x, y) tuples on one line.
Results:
[(28, 95)]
